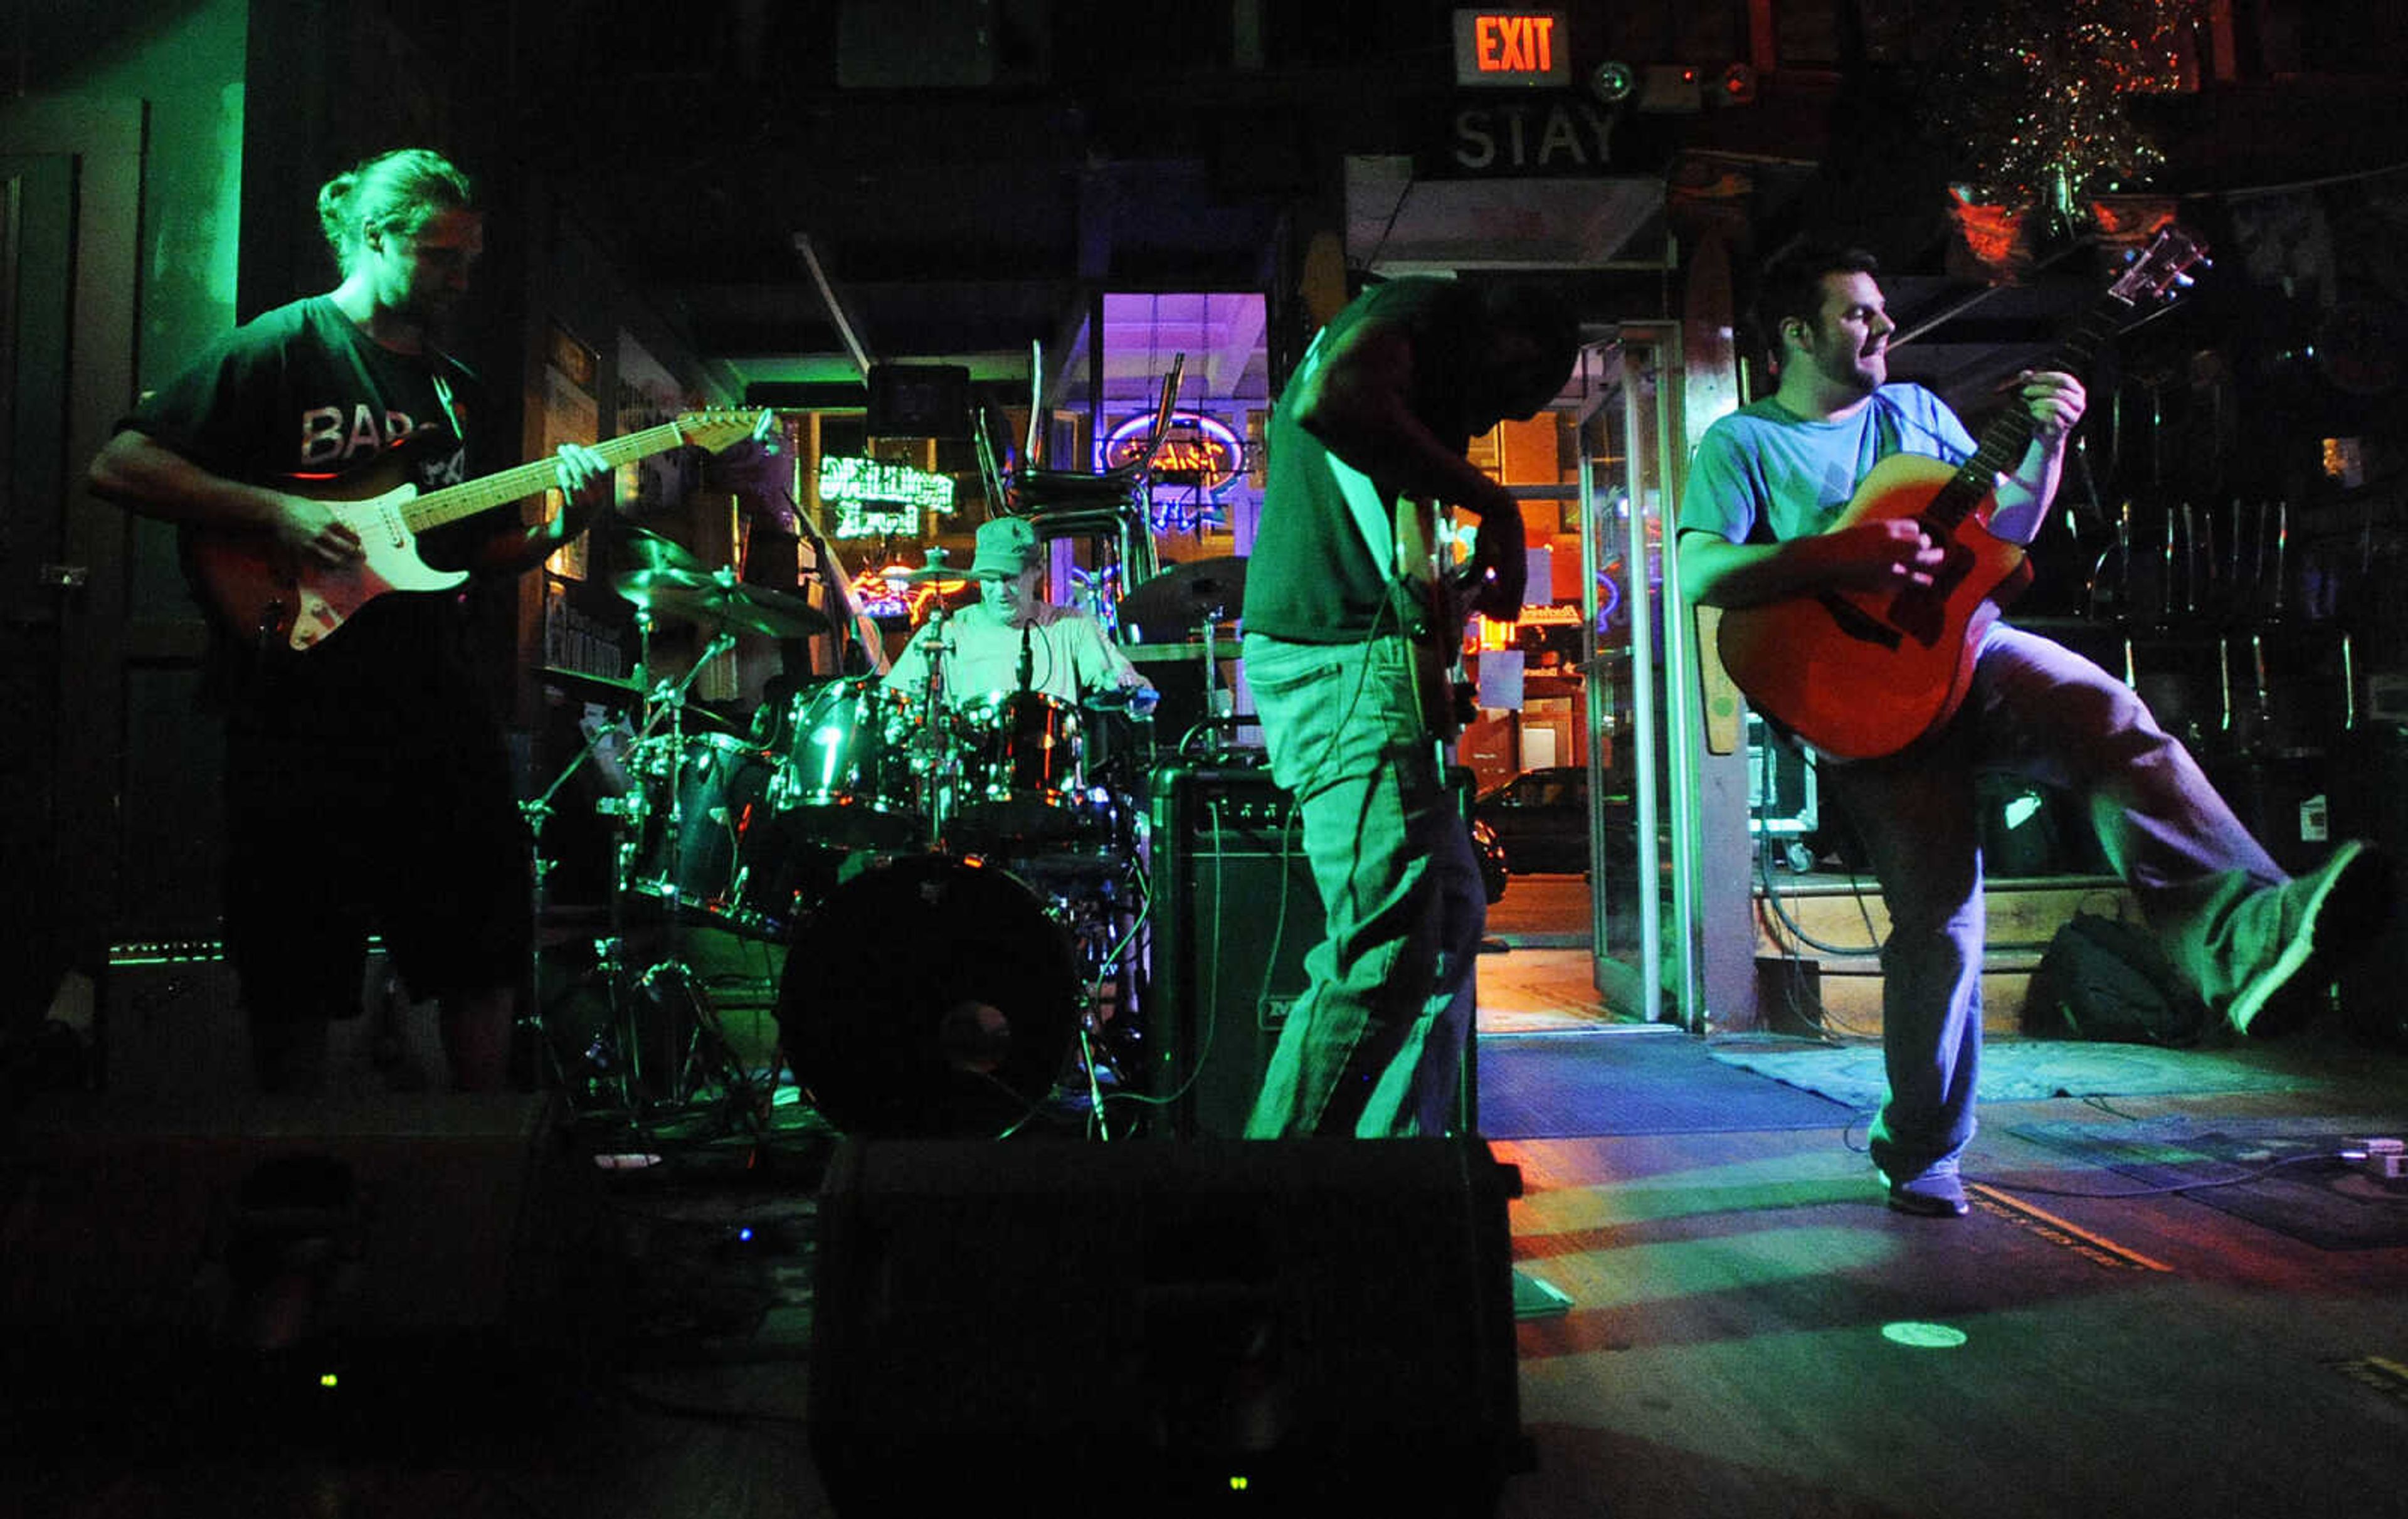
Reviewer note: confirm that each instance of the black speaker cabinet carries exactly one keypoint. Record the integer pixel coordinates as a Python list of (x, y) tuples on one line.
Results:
[(919, 400), (1318, 1326), (1235, 911), (274, 1225)]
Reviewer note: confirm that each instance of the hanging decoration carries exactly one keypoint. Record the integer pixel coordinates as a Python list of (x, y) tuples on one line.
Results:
[(2035, 101)]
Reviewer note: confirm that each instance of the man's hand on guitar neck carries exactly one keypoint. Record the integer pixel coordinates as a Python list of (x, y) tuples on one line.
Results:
[(1501, 558), (583, 476), (583, 479)]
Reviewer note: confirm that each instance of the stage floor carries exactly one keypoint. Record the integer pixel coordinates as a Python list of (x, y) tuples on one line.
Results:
[(1748, 1330)]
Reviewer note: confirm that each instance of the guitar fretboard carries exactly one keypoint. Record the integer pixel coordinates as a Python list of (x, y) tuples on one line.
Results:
[(453, 502), (2003, 441)]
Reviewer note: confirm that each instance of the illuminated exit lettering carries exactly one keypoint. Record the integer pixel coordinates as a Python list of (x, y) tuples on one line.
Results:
[(1515, 44), (1511, 48)]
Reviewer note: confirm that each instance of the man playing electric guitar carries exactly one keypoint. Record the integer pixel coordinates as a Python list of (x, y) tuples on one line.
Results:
[(366, 781), (1757, 528), (1384, 406)]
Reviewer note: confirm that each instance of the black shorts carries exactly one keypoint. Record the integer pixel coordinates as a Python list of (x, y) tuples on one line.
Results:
[(418, 838)]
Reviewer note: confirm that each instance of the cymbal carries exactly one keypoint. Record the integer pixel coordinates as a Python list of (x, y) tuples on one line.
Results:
[(720, 602), (1186, 595), (615, 682), (644, 550), (935, 569)]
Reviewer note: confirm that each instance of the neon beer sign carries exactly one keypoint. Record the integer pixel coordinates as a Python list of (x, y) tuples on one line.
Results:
[(1198, 451)]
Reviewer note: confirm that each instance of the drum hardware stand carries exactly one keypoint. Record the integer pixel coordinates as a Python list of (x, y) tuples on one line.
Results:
[(941, 764), (618, 1052), (537, 812), (669, 700)]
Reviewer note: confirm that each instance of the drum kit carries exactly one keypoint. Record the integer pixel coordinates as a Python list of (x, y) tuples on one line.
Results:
[(955, 885)]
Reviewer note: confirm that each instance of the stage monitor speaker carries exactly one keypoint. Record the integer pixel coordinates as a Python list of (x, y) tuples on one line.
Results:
[(1235, 910), (1316, 1326), (277, 1225)]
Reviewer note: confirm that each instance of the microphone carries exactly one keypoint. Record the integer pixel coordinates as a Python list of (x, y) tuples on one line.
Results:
[(1028, 654)]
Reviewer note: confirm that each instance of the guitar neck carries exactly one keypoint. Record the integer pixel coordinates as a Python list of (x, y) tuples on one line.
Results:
[(453, 502), (2001, 443)]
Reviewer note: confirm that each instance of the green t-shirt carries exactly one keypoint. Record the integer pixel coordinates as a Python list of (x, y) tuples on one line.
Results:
[(1311, 578)]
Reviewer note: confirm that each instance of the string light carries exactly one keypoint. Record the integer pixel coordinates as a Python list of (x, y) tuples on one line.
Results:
[(2036, 96)]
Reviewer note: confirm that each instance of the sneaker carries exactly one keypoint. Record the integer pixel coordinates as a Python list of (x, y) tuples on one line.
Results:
[(1935, 1193), (2326, 912)]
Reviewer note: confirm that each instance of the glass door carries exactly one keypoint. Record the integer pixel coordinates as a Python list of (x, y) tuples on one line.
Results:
[(1641, 926)]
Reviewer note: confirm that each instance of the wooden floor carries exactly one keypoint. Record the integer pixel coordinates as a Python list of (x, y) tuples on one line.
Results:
[(1750, 1331)]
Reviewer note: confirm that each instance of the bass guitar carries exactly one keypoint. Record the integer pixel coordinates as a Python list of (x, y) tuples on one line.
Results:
[(1862, 674), (264, 594)]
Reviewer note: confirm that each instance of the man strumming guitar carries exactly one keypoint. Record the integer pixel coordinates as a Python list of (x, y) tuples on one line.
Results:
[(1756, 527), (367, 782)]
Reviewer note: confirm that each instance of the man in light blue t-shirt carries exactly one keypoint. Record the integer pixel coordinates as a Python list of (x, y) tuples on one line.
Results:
[(1757, 526)]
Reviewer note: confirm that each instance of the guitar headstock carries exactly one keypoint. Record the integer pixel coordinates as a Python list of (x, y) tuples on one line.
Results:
[(713, 430), (2164, 265)]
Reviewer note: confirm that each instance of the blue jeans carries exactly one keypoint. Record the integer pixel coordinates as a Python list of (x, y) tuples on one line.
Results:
[(2041, 712), (1374, 1047)]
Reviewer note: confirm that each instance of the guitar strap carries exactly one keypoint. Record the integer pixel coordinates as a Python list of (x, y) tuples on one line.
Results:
[(451, 412)]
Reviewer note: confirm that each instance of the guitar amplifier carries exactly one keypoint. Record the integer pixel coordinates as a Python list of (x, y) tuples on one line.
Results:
[(1782, 800), (1235, 910)]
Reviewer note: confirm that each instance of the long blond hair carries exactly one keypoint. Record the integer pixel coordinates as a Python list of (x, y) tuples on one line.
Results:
[(401, 191)]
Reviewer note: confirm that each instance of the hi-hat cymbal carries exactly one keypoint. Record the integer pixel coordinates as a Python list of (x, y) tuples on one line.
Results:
[(643, 551), (721, 601), (1186, 595)]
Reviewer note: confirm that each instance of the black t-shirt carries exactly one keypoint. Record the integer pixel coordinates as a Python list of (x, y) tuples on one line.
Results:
[(300, 392), (1312, 579)]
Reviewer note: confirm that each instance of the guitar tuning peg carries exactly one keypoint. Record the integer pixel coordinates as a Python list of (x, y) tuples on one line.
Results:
[(2130, 254), (2184, 280)]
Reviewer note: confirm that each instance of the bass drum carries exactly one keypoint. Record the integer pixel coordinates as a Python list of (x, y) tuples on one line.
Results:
[(928, 997)]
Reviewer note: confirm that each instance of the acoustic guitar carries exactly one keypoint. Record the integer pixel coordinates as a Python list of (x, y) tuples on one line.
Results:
[(264, 594), (1862, 674)]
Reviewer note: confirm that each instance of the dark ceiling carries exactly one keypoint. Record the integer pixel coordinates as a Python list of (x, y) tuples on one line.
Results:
[(720, 155)]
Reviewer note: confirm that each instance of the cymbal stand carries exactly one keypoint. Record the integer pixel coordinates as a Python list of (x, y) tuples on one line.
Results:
[(939, 764)]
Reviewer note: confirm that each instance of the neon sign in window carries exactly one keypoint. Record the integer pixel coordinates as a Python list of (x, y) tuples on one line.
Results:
[(1197, 451), (874, 499)]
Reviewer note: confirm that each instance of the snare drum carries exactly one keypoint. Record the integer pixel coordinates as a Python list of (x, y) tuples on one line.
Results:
[(846, 778), (1024, 768), (707, 844)]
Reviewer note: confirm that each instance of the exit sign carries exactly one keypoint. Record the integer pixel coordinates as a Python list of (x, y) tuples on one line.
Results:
[(1526, 48)]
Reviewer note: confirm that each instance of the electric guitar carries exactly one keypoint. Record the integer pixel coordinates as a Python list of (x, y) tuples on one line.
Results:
[(1434, 598), (1861, 674), (263, 592)]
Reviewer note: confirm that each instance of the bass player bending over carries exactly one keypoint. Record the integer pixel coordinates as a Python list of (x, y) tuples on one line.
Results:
[(367, 782), (1768, 520)]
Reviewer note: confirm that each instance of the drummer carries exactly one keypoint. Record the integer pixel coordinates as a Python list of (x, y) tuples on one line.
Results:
[(1014, 640)]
